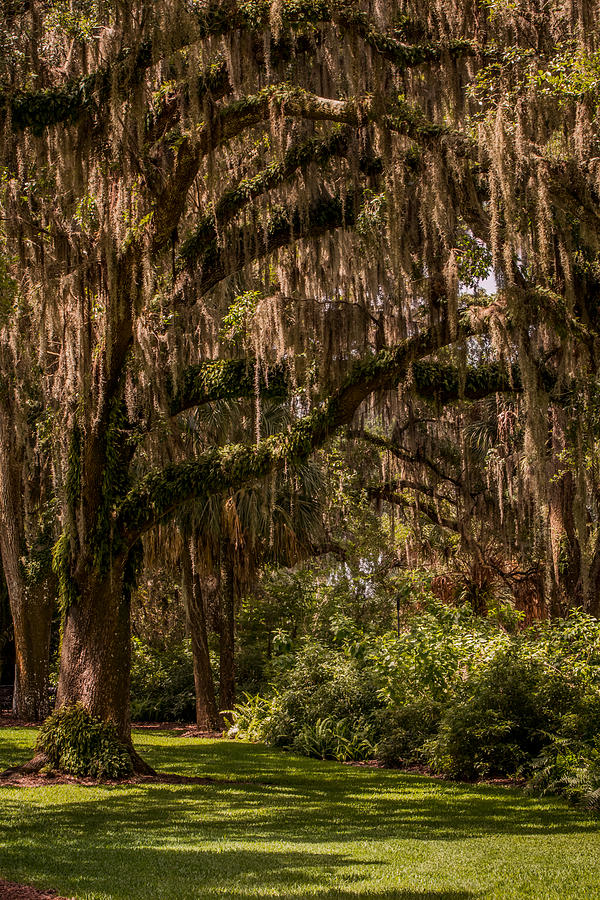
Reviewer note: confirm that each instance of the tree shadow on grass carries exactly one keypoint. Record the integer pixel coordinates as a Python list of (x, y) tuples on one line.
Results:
[(183, 873), (14, 752), (295, 828)]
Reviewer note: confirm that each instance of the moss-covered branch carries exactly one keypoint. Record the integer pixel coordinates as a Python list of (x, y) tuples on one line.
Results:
[(445, 383), (68, 102), (234, 118), (417, 457), (430, 510), (247, 244), (236, 198), (227, 380), (291, 100), (160, 493)]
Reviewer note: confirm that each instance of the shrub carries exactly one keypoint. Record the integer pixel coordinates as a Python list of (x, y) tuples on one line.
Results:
[(250, 716), (343, 739), (162, 683), (323, 704), (572, 770), (80, 744), (322, 684), (506, 712), (406, 730)]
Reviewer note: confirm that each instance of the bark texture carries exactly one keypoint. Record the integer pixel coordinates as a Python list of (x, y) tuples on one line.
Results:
[(31, 604), (227, 636)]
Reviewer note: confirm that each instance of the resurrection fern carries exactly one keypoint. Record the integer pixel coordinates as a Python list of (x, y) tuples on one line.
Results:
[(80, 744)]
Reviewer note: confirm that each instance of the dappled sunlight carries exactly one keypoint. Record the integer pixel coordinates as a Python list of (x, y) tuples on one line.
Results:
[(273, 824)]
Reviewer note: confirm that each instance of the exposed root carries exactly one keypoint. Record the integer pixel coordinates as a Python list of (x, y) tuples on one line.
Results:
[(31, 767), (140, 766)]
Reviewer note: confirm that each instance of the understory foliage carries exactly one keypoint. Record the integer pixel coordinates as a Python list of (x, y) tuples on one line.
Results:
[(80, 744), (162, 684), (454, 692)]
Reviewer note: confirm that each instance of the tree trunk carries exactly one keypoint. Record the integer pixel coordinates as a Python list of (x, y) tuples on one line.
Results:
[(207, 717), (30, 605), (32, 621), (95, 661), (227, 635), (568, 588)]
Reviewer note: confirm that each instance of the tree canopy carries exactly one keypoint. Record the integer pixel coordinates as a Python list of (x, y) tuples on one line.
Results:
[(384, 215)]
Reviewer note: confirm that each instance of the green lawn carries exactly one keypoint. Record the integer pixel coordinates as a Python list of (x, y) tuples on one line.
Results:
[(288, 827)]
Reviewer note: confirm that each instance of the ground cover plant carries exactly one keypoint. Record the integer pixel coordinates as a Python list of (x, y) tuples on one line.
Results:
[(279, 825)]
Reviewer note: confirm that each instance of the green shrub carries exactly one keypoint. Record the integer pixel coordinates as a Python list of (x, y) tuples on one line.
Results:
[(406, 730), (80, 744), (162, 683), (570, 769), (341, 739), (323, 703), (506, 712), (322, 684), (250, 716)]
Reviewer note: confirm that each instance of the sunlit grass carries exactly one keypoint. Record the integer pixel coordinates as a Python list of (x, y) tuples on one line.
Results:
[(276, 825)]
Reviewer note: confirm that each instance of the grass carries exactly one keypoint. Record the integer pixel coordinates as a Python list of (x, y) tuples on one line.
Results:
[(277, 825)]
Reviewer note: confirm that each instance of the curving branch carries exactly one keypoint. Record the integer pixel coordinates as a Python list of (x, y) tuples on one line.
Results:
[(159, 494), (247, 244), (68, 102), (236, 198), (417, 457), (233, 119), (390, 495)]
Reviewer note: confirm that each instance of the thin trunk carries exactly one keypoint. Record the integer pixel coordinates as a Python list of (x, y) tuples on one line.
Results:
[(568, 588), (227, 636), (207, 717), (30, 605)]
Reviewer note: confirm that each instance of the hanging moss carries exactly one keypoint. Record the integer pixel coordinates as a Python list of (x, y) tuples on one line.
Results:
[(73, 480), (61, 566), (228, 379)]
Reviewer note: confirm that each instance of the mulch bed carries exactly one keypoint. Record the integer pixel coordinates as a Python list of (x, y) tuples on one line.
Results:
[(11, 891), (39, 779), (7, 720)]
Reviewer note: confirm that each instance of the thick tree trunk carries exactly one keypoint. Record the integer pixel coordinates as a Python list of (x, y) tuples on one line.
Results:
[(206, 705), (227, 635), (95, 661)]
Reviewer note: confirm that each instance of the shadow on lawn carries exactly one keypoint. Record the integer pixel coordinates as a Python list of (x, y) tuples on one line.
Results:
[(309, 795), (14, 752), (279, 834)]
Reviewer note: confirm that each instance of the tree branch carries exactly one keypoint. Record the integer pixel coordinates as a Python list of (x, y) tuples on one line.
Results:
[(67, 103), (232, 379), (386, 492), (160, 493)]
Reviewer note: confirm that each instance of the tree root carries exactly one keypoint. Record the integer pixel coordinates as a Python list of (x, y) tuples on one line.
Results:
[(140, 766), (31, 767)]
